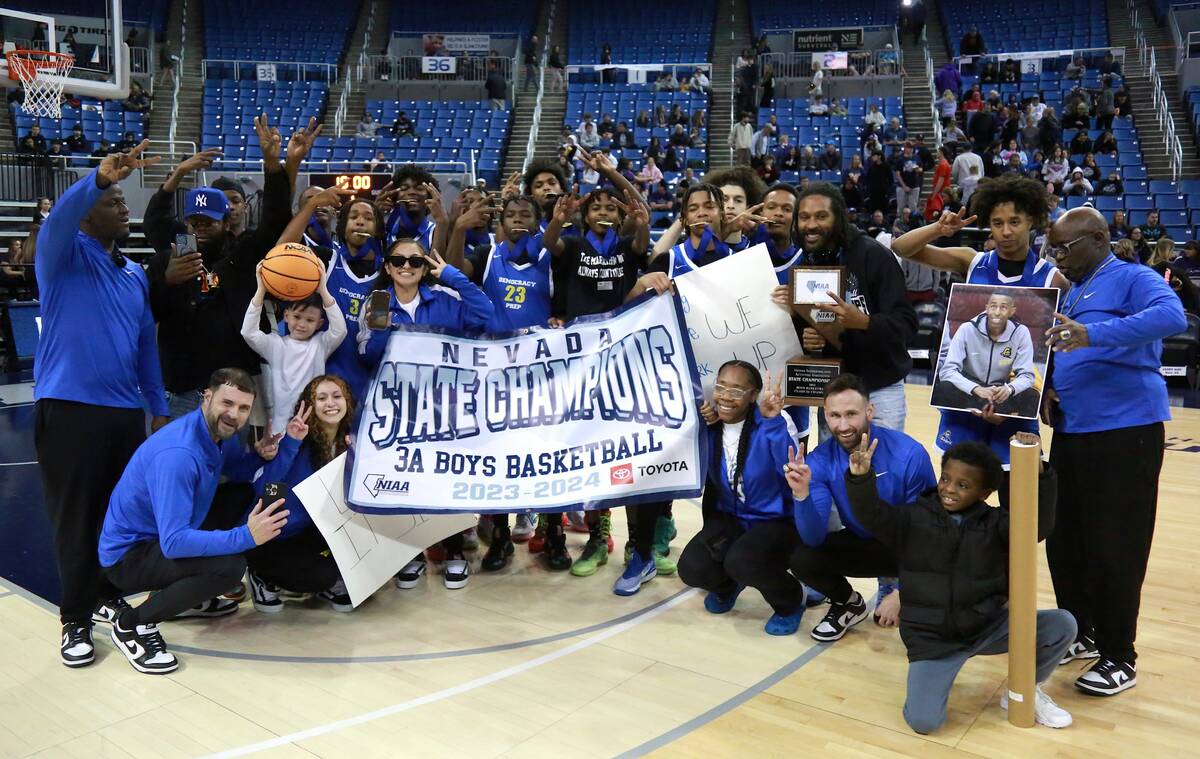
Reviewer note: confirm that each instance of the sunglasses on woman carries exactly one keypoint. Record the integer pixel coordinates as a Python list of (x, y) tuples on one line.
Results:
[(416, 262)]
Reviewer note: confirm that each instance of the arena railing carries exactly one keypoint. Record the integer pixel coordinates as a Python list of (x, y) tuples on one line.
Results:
[(178, 78), (23, 176), (799, 65), (933, 95), (407, 68), (1034, 61), (354, 72), (531, 143), (248, 69), (1166, 122)]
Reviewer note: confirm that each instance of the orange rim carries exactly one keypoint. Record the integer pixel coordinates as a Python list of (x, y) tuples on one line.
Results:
[(24, 64)]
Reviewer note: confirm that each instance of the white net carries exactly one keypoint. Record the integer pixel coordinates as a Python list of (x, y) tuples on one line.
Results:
[(40, 73)]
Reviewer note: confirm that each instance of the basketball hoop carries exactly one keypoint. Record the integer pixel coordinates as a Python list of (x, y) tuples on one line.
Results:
[(41, 73)]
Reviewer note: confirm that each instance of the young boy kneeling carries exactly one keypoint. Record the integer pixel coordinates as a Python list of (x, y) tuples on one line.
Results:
[(952, 549)]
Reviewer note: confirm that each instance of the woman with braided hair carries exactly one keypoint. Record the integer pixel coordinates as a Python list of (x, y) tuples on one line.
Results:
[(748, 531)]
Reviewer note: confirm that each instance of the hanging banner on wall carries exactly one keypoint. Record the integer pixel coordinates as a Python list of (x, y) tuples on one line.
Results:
[(602, 413)]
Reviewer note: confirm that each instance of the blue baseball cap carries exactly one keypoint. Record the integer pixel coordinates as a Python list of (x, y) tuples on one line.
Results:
[(206, 201)]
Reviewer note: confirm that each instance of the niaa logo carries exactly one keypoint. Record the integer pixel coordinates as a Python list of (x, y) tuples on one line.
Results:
[(377, 483)]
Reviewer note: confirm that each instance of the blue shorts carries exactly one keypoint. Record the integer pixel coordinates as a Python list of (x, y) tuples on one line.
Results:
[(963, 427)]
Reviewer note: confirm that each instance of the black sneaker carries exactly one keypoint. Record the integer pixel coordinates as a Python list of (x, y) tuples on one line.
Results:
[(556, 554), (337, 597), (107, 611), (499, 552), (77, 649), (264, 595), (145, 649), (1108, 677), (1084, 647), (213, 607), (411, 574), (840, 618)]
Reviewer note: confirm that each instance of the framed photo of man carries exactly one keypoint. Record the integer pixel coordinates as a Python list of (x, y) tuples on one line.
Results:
[(991, 352)]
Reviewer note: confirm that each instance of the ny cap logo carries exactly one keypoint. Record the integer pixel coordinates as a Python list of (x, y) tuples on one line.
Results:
[(201, 201)]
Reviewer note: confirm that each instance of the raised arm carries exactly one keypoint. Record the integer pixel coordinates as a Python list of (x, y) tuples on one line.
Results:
[(294, 231), (565, 208), (917, 244)]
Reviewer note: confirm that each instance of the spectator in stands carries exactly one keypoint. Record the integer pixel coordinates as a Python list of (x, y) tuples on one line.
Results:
[(41, 212), (1012, 150), (951, 133), (366, 127), (699, 118), (878, 183), (972, 43), (39, 139), (378, 164), (894, 133), (235, 195), (982, 128), (102, 150), (790, 160), (680, 138), (1010, 73), (990, 73), (1008, 124), (817, 106), (1141, 248), (1118, 229), (874, 118), (588, 138), (1055, 169), (650, 174), (666, 82), (1106, 144), (1077, 184), (1189, 262), (768, 171), (701, 82), (741, 138), (877, 225), (972, 105), (1074, 70), (643, 120), (623, 139), (1121, 101), (607, 75), (1125, 250), (1112, 186), (1049, 131), (1152, 230), (403, 126), (818, 79), (1039, 108), (166, 64), (808, 160), (496, 87), (1164, 262), (661, 198), (914, 19), (1110, 65), (908, 173), (1091, 171), (763, 143), (606, 125), (1080, 144), (530, 59), (948, 78), (127, 143), (56, 156), (941, 185), (77, 143), (852, 191), (947, 105), (831, 159), (1076, 117), (138, 100), (558, 69), (1106, 105)]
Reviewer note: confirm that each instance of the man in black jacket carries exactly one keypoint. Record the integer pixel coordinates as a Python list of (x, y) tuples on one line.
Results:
[(952, 548), (200, 297), (873, 319)]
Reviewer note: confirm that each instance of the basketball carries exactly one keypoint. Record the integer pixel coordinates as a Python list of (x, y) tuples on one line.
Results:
[(291, 271)]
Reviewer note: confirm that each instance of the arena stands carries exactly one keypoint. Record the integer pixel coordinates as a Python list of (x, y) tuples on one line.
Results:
[(786, 14), (1009, 26), (277, 30), (101, 120), (636, 33), (469, 16), (805, 130), (230, 107)]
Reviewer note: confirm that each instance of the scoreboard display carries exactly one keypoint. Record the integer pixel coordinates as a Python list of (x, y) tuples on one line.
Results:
[(362, 183)]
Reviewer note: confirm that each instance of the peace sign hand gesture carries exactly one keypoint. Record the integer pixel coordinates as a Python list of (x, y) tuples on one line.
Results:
[(268, 445), (269, 140), (798, 474), (770, 400), (849, 315), (118, 166), (297, 428), (434, 203), (747, 221), (635, 210), (566, 207), (951, 223), (860, 458), (437, 264)]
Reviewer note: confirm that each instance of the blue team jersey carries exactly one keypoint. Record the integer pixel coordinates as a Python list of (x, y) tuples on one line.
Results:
[(521, 293), (351, 293), (790, 259), (963, 426)]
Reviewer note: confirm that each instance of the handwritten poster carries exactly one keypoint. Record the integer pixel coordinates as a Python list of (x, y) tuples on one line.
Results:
[(729, 314)]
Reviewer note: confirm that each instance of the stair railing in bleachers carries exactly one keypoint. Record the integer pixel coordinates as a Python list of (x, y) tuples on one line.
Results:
[(1166, 122), (933, 95), (178, 77), (531, 143), (353, 73)]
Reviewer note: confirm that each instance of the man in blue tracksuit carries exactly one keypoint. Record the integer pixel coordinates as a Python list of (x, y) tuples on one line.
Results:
[(96, 365), (1107, 403), (834, 544), (158, 534)]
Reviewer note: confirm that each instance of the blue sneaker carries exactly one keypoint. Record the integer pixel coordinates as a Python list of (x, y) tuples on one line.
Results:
[(718, 604), (813, 597), (781, 625), (637, 571)]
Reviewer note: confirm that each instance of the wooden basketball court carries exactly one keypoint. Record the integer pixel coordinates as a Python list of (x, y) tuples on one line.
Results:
[(529, 663)]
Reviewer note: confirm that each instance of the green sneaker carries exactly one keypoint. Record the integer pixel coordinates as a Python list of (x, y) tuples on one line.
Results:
[(664, 565), (664, 533), (628, 550), (594, 556), (605, 522)]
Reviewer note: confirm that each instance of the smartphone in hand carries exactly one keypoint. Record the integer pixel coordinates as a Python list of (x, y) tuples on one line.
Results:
[(273, 491), (379, 315)]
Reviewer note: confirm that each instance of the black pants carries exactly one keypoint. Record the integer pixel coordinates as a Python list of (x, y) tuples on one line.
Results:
[(843, 554), (82, 451), (184, 583), (756, 557), (642, 520), (1024, 403), (1107, 499), (301, 562)]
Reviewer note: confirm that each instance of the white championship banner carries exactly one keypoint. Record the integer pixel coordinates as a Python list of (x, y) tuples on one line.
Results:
[(603, 413), (730, 315)]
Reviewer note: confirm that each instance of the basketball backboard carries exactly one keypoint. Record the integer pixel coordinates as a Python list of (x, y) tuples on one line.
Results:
[(102, 62)]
